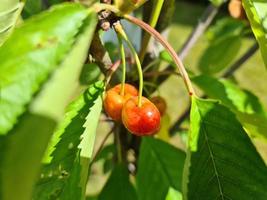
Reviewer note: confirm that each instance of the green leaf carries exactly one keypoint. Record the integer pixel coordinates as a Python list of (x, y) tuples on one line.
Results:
[(61, 177), (90, 74), (160, 166), (165, 56), (9, 13), (220, 53), (173, 195), (221, 162), (217, 2), (247, 106), (225, 27), (31, 134), (31, 53), (256, 12), (118, 186), (32, 7)]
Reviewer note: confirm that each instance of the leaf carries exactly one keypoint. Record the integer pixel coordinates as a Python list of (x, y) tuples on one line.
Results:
[(173, 195), (60, 178), (217, 2), (165, 56), (219, 54), (31, 134), (246, 105), (9, 13), (87, 143), (221, 162), (160, 167), (31, 53), (256, 11), (90, 74), (225, 27), (118, 186), (32, 7)]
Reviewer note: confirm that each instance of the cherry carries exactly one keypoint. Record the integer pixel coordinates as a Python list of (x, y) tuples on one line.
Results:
[(114, 101), (143, 120), (160, 103), (236, 9)]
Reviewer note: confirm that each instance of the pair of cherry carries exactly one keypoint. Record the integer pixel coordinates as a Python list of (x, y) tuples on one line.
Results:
[(141, 120)]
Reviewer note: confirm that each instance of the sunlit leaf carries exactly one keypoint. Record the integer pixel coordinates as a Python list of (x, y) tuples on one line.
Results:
[(217, 2), (9, 13), (31, 134), (31, 53), (173, 195), (246, 105), (257, 14), (61, 177)]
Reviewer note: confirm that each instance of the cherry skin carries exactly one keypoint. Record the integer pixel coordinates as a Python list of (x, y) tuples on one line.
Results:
[(114, 101), (160, 103), (236, 9), (143, 120)]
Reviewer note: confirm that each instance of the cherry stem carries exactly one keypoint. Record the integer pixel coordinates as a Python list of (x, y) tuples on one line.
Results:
[(119, 29), (111, 71), (168, 47), (123, 59)]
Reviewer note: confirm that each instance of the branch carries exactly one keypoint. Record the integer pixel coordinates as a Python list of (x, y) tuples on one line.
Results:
[(204, 22), (232, 69), (102, 144)]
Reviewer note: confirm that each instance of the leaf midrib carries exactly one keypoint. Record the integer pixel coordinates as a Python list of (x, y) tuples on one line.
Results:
[(211, 156)]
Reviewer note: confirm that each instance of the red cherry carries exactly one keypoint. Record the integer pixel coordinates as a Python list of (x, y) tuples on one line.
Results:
[(160, 103), (143, 120), (113, 101)]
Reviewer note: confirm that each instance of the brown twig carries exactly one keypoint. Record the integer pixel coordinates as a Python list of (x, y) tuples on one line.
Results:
[(111, 71), (204, 22), (102, 144), (202, 26)]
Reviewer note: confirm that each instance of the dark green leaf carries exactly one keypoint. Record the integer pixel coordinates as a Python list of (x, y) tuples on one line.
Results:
[(61, 178), (221, 162), (118, 186), (90, 74), (31, 53), (246, 105), (32, 7), (256, 11), (160, 166)]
